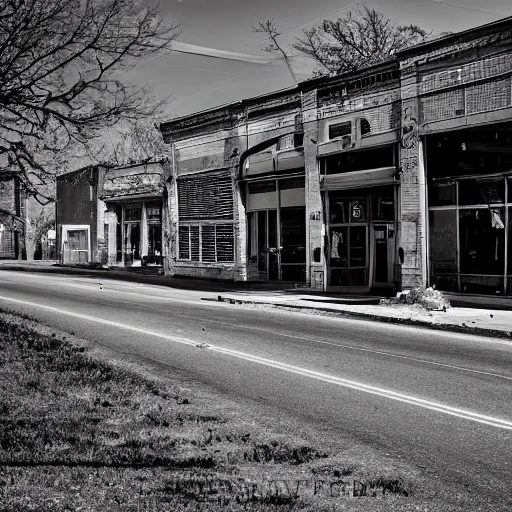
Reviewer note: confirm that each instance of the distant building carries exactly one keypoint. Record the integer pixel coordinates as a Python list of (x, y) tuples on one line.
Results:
[(12, 208), (111, 216)]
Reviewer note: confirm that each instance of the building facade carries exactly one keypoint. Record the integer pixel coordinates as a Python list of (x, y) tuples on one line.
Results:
[(12, 214), (112, 215), (398, 175)]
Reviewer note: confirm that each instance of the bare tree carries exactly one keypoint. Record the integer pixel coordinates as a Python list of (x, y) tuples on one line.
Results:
[(360, 38), (61, 65), (137, 142), (270, 28)]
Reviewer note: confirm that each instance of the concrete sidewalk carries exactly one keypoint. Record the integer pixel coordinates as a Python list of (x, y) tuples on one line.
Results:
[(495, 322)]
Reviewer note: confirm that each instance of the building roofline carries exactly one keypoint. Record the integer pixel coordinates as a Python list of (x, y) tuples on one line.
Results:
[(349, 75), (227, 106), (81, 169), (503, 22), (136, 164)]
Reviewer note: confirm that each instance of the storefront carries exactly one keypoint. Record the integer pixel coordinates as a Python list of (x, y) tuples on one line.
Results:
[(469, 176), (133, 232), (274, 188), (360, 199), (132, 218)]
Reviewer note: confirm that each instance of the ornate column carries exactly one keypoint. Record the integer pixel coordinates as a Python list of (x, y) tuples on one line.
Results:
[(412, 225)]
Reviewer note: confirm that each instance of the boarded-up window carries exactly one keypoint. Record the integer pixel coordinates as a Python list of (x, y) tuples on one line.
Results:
[(210, 243), (205, 209), (209, 196), (184, 242)]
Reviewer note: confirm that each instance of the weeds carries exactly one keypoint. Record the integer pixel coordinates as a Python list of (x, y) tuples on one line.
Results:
[(77, 433)]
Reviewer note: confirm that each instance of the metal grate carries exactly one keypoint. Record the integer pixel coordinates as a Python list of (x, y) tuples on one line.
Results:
[(208, 196), (488, 96), (225, 242), (446, 105)]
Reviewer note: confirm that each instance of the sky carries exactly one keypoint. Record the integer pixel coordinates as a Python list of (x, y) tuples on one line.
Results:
[(191, 83)]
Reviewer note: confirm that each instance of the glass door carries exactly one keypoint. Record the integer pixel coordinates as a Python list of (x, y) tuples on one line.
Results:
[(262, 242), (155, 244), (383, 250), (76, 246), (132, 241)]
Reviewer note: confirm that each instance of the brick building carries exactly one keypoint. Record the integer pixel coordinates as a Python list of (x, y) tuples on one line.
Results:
[(397, 175), (12, 207), (111, 215)]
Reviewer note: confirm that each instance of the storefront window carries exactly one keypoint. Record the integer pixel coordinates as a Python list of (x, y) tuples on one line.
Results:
[(339, 211), (383, 207), (443, 241), (481, 191), (343, 211), (442, 194), (482, 241)]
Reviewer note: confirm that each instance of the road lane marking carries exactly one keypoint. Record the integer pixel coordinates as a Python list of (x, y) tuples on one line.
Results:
[(93, 288), (359, 386), (351, 347), (471, 338)]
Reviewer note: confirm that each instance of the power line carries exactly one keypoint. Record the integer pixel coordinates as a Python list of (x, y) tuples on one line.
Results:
[(308, 22), (468, 8)]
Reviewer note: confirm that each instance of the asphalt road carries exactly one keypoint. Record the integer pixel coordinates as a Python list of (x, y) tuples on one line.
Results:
[(439, 400)]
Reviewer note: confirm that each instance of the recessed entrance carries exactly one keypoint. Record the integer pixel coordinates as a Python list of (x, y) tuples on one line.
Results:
[(276, 230), (361, 231)]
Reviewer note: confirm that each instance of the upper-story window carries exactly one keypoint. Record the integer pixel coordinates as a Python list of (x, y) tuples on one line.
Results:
[(340, 129), (290, 141), (364, 126)]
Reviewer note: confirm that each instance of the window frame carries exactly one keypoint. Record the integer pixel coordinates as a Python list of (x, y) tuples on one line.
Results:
[(200, 225)]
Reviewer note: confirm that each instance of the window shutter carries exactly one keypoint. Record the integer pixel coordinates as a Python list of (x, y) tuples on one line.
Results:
[(208, 196), (184, 243), (225, 243), (194, 243), (208, 243)]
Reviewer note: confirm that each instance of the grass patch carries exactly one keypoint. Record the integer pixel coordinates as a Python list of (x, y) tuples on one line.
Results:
[(81, 433)]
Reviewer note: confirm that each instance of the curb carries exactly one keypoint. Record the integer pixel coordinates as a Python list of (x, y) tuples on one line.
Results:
[(476, 331)]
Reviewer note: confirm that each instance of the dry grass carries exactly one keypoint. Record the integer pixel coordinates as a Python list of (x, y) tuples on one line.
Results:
[(79, 433)]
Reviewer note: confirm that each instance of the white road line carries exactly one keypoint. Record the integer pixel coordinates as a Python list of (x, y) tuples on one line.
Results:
[(386, 393), (470, 338), (373, 351)]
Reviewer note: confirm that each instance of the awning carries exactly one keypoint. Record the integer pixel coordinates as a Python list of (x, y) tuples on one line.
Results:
[(358, 179)]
